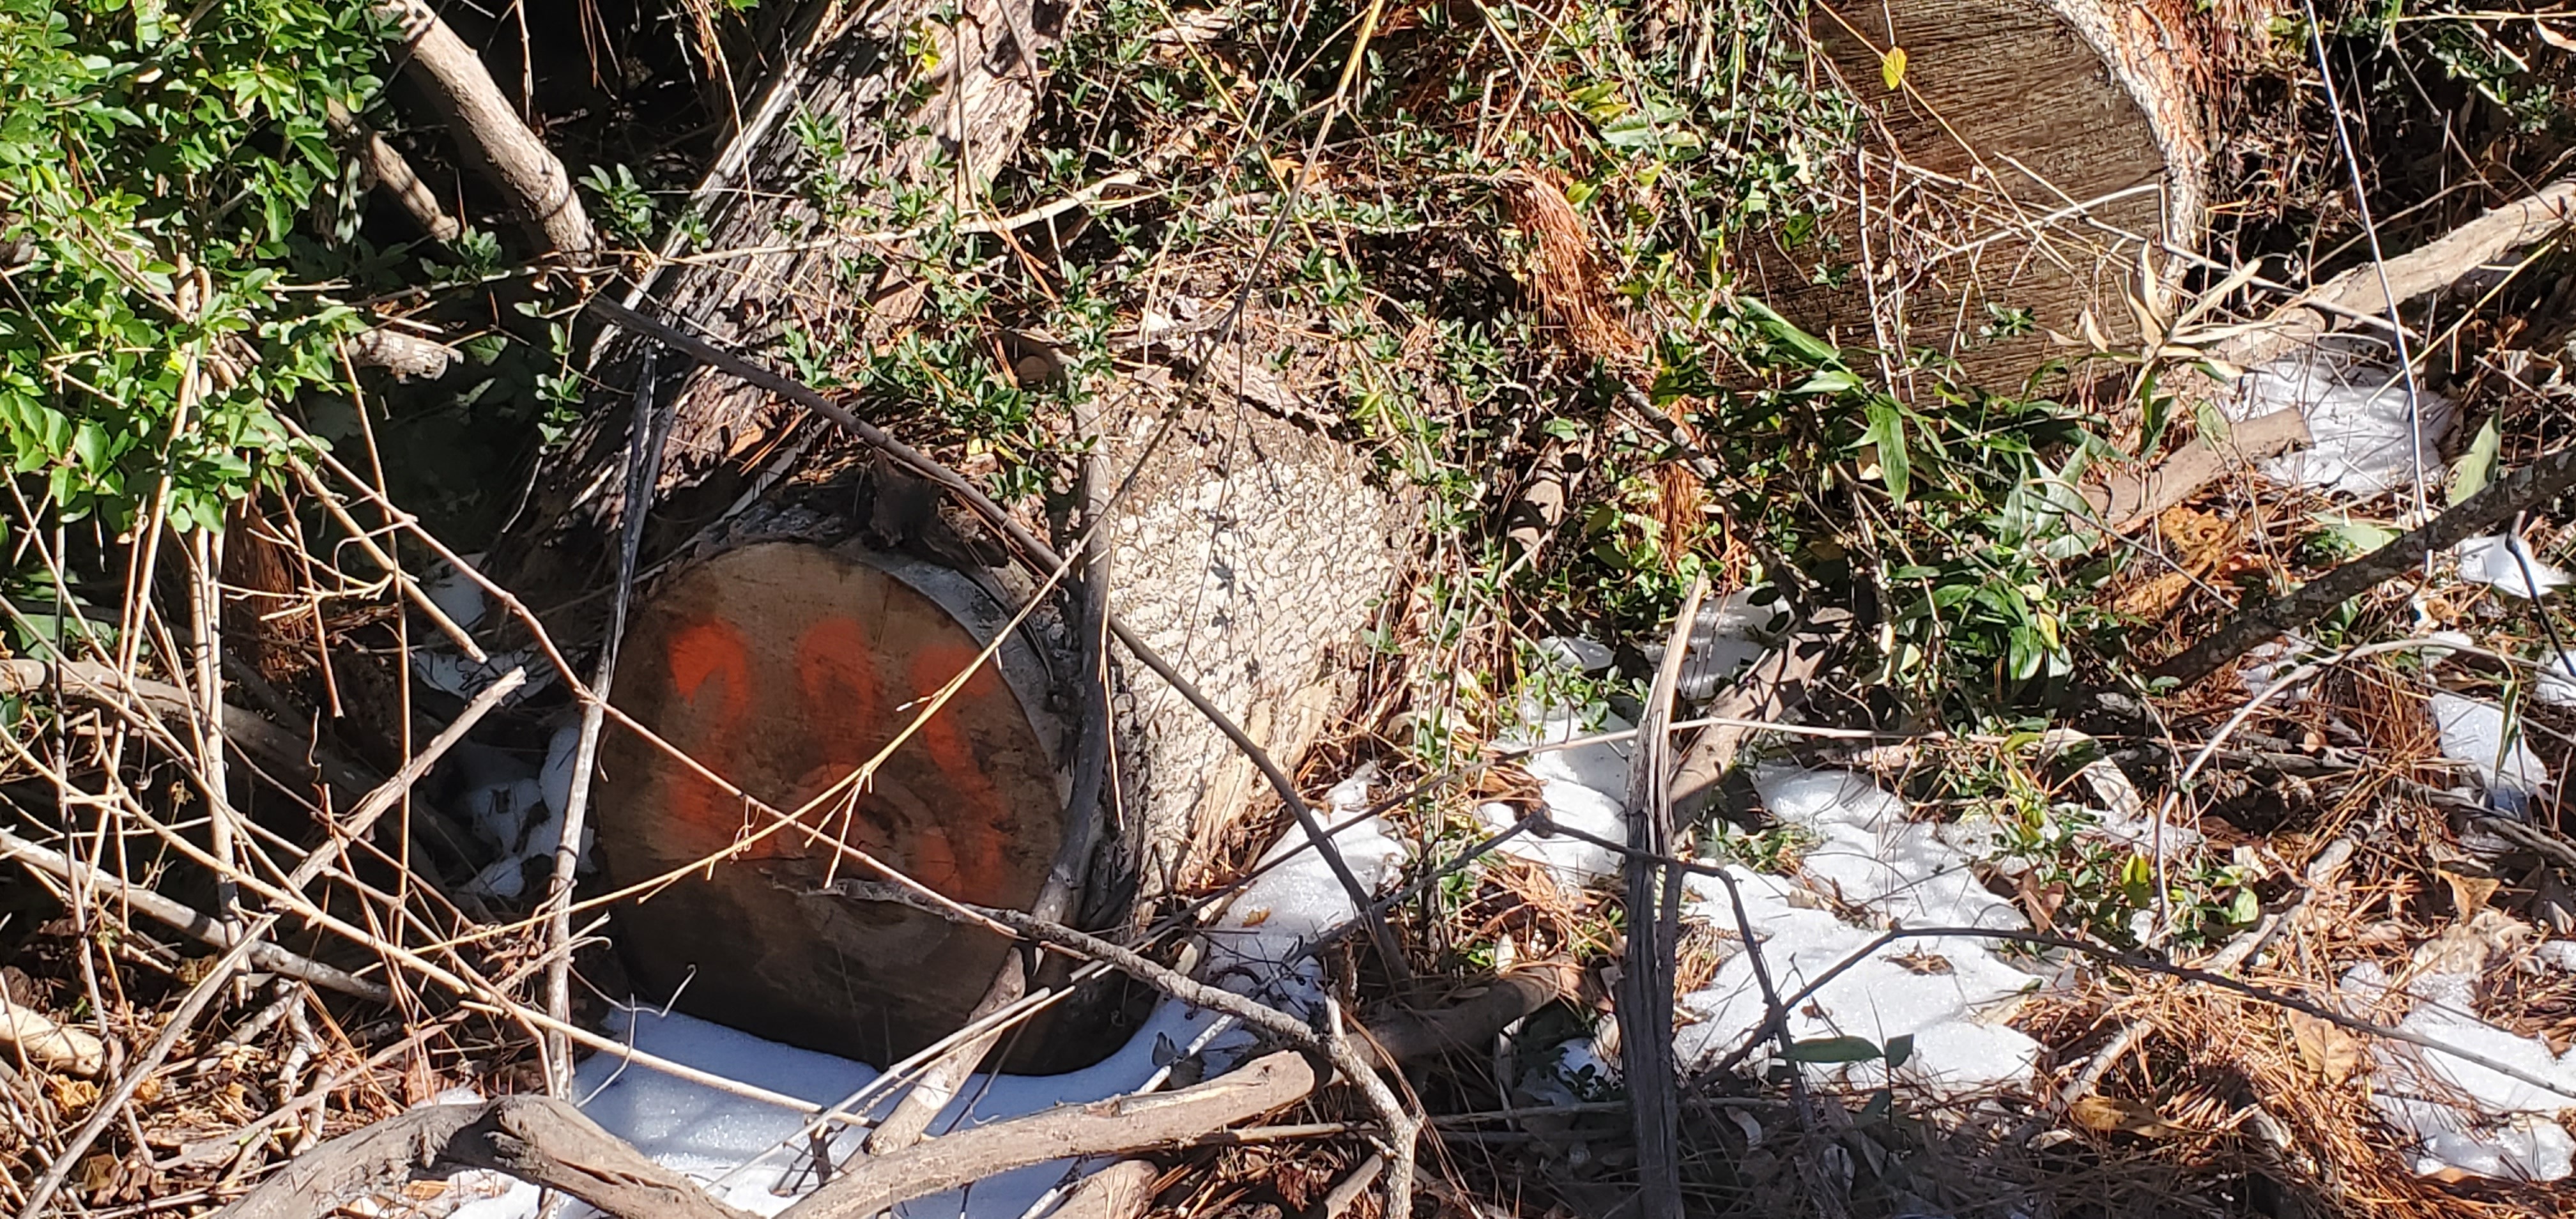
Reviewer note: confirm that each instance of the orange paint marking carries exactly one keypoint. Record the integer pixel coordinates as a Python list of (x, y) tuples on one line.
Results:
[(710, 650), (972, 848)]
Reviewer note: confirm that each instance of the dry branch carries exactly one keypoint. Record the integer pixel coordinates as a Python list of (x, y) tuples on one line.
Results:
[(490, 131), (1111, 1127), (404, 355), (541, 1141), (388, 171), (1119, 1191), (1770, 689), (197, 924), (2537, 483), (2132, 498), (1472, 1022), (2434, 266), (552, 1144)]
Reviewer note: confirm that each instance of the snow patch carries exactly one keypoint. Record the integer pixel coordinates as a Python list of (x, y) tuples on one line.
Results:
[(2464, 1116), (2505, 563), (2477, 732), (2356, 411)]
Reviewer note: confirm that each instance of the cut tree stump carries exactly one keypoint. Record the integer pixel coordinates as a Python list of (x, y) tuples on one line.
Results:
[(1250, 552), (2030, 148), (787, 667)]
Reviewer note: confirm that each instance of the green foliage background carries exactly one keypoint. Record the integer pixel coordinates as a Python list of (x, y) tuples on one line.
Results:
[(162, 296)]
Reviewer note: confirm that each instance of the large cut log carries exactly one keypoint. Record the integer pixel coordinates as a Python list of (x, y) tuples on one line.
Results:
[(790, 666), (2028, 151), (1249, 551)]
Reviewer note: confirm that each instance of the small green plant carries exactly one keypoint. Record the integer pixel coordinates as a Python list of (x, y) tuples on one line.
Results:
[(624, 205)]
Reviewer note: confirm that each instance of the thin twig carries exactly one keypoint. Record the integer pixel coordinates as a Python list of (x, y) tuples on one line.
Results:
[(643, 457)]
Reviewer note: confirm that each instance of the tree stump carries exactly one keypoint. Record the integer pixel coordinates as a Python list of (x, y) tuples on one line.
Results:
[(788, 667), (1250, 554), (2029, 151)]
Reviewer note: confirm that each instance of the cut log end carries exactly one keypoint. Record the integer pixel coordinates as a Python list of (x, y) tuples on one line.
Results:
[(786, 668), (2030, 149)]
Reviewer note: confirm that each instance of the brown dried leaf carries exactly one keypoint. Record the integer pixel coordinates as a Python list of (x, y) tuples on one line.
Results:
[(2326, 1048), (2469, 894), (2105, 1115)]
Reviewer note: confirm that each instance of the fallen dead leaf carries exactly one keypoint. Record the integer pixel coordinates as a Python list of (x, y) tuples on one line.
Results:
[(2326, 1048), (2106, 1115)]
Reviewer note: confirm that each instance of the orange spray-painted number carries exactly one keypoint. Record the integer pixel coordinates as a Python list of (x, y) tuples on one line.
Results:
[(960, 852)]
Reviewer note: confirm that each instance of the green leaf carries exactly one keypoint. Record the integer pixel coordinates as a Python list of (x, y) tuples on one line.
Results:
[(1891, 68), (1828, 381), (2477, 466), (1900, 1049), (1887, 432), (1807, 347), (2246, 908), (1832, 1049), (2360, 536)]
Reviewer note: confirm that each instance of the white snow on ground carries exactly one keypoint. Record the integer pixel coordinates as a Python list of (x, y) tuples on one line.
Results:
[(2556, 684), (2505, 562), (734, 1145), (1867, 853), (2476, 732), (2357, 422), (2465, 1116)]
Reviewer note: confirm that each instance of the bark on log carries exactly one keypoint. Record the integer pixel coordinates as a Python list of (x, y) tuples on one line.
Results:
[(1249, 551), (2025, 138)]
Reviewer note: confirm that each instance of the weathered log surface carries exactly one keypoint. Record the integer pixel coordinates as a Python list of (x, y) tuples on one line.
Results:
[(2030, 148)]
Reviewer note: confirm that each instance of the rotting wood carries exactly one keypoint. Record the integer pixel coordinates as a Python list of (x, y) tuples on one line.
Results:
[(1774, 686)]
